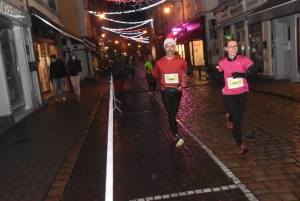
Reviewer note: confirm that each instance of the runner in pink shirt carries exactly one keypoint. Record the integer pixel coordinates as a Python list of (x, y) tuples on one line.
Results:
[(235, 68)]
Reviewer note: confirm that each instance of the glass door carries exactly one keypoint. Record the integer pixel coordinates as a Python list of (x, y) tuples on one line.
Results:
[(12, 70), (42, 52)]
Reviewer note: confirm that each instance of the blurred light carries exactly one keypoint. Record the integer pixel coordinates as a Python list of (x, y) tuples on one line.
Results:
[(102, 16), (167, 10)]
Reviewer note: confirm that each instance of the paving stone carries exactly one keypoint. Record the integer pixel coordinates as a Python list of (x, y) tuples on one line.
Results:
[(287, 196), (268, 197)]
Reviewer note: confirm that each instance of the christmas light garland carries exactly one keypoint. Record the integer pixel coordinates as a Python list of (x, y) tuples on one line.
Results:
[(129, 11), (124, 22)]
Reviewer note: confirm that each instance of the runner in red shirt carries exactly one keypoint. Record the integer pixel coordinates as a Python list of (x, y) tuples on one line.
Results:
[(171, 68)]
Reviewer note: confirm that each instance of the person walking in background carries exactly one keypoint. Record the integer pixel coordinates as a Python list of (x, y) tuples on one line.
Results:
[(149, 66), (75, 69), (171, 68), (57, 76), (234, 68)]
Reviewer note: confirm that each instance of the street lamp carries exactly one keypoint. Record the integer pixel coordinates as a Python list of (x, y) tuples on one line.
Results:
[(103, 35), (167, 10), (102, 15)]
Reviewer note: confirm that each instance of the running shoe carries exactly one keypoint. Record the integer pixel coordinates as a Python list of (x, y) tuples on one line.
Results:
[(243, 149), (229, 124), (179, 141)]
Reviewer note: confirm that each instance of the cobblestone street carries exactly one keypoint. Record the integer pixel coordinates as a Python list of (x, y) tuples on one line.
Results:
[(59, 152)]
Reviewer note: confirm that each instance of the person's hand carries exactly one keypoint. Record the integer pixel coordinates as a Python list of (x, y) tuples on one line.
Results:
[(238, 75)]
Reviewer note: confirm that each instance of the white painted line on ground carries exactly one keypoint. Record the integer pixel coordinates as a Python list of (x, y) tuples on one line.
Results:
[(236, 180)]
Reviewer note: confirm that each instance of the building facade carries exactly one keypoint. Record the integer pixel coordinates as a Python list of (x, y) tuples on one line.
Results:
[(20, 93), (267, 31), (192, 23), (75, 16)]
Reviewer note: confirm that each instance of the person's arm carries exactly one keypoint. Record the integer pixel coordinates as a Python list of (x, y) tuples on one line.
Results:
[(155, 71), (51, 73)]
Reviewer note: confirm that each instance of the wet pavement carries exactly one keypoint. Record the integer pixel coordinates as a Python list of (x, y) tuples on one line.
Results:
[(59, 152)]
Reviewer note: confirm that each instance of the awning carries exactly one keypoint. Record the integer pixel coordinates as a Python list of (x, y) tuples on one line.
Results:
[(190, 36), (273, 9), (58, 27)]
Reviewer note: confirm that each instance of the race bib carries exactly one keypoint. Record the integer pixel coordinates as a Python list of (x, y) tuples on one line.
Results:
[(235, 83), (171, 78)]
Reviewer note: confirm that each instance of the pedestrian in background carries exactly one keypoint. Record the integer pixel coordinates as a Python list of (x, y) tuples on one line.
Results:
[(171, 68), (57, 76), (234, 68), (75, 69), (149, 66)]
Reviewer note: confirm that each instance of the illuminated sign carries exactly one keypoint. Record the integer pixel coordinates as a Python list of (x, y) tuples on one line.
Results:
[(10, 11), (176, 29)]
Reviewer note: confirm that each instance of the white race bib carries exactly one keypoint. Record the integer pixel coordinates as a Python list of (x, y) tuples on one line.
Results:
[(235, 83), (171, 78)]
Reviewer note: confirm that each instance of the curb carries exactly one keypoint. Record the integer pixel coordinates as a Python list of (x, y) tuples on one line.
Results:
[(57, 188)]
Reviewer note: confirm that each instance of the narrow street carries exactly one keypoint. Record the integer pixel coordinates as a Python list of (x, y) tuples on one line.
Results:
[(148, 166)]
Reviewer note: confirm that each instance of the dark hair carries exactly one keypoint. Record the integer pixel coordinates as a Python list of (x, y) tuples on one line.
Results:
[(53, 56), (227, 41)]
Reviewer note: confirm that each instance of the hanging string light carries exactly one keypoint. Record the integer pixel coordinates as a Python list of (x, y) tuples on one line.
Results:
[(124, 22), (128, 11)]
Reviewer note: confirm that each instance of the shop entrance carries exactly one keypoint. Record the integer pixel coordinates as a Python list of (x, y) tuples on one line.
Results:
[(256, 47), (43, 52)]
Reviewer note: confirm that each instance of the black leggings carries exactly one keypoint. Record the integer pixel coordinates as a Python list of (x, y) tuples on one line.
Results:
[(235, 104), (171, 102), (152, 84)]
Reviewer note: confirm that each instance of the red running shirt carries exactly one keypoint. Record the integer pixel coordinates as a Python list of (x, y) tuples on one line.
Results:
[(170, 70)]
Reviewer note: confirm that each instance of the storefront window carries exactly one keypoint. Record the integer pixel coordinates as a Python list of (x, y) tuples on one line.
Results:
[(198, 53), (43, 53), (240, 36), (256, 47), (180, 49), (12, 71)]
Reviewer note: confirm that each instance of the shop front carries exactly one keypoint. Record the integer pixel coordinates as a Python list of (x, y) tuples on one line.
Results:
[(275, 37), (233, 20), (191, 42), (47, 40), (18, 95)]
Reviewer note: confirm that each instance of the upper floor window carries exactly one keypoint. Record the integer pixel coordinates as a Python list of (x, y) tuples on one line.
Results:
[(52, 4)]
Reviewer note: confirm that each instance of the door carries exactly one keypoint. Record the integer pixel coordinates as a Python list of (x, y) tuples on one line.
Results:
[(12, 72)]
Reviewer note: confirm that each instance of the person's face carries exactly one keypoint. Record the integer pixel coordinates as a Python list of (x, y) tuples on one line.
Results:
[(53, 59), (150, 58), (232, 48), (170, 49)]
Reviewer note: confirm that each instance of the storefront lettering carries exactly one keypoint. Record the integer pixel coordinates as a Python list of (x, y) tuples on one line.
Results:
[(237, 9), (251, 3), (10, 11)]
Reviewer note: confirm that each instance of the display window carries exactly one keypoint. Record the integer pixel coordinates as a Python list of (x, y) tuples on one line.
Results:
[(43, 52), (197, 53), (12, 70), (256, 47)]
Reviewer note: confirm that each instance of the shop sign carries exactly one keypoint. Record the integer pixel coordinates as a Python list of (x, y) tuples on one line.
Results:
[(89, 46), (237, 10), (14, 13), (175, 30), (223, 16), (251, 4)]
